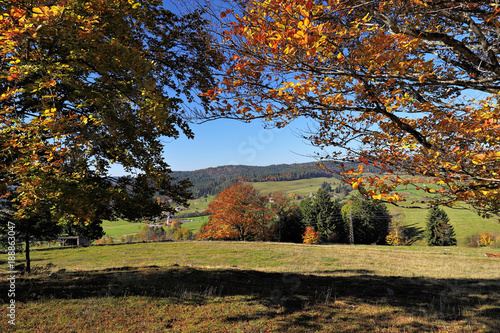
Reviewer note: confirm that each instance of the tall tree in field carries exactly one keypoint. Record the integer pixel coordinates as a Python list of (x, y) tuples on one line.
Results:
[(439, 231), (405, 86), (370, 220), (240, 213), (324, 215), (329, 221), (85, 84)]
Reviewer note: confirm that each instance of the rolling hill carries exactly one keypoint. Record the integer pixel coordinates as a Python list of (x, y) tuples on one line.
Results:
[(212, 181)]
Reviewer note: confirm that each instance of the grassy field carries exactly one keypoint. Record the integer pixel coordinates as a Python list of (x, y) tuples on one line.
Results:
[(196, 224), (257, 287), (121, 227), (465, 222), (302, 187)]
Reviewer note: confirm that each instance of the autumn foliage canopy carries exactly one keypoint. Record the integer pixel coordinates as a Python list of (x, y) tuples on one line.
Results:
[(87, 84), (410, 87)]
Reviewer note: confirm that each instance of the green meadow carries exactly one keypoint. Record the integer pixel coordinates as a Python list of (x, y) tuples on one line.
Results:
[(121, 227), (214, 286), (302, 187), (257, 287)]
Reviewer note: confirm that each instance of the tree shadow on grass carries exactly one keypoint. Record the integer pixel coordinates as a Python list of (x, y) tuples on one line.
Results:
[(282, 294), (413, 233)]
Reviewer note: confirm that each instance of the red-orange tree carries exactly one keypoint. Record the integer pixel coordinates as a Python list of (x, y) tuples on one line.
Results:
[(241, 213), (410, 87)]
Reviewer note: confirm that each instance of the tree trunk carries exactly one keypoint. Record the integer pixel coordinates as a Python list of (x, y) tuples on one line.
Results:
[(279, 227), (28, 261)]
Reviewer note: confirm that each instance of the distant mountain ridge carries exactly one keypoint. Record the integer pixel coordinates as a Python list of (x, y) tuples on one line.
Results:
[(212, 181)]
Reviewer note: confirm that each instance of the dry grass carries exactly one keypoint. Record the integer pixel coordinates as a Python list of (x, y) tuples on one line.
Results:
[(258, 287), (414, 261)]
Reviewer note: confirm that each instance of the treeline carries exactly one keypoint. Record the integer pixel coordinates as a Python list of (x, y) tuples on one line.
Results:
[(212, 181), (242, 213)]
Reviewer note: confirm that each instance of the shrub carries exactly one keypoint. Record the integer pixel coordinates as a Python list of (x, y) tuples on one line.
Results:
[(311, 236), (483, 239), (395, 238), (149, 234), (486, 239), (397, 235), (176, 224), (109, 240), (100, 241), (182, 233)]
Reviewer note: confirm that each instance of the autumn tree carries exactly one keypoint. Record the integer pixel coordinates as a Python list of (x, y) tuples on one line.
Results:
[(311, 236), (396, 234), (88, 84), (239, 213), (409, 87)]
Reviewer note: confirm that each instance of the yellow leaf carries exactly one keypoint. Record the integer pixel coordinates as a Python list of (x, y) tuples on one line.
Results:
[(49, 112), (366, 18)]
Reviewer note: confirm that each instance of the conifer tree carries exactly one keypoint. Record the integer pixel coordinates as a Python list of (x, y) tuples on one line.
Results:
[(370, 219), (439, 232), (324, 215)]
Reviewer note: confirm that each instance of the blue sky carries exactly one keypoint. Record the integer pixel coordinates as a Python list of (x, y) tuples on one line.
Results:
[(230, 142), (225, 142)]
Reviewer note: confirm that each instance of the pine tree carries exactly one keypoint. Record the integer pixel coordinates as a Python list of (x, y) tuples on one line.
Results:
[(439, 232), (324, 215), (329, 218), (370, 219)]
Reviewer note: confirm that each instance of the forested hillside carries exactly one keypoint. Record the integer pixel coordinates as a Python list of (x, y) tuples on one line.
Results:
[(212, 181)]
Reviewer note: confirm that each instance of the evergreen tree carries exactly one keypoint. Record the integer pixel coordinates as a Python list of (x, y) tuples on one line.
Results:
[(306, 209), (370, 219), (324, 215), (292, 226), (39, 227), (439, 232), (288, 219), (326, 186)]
